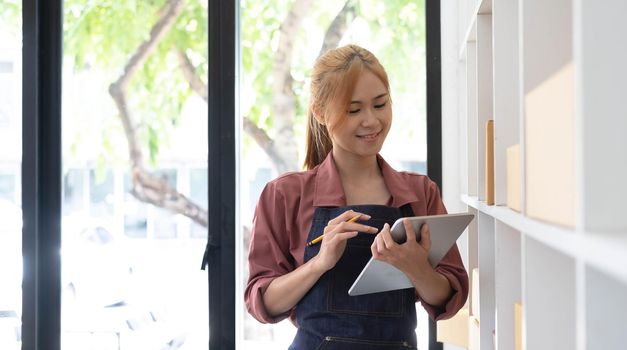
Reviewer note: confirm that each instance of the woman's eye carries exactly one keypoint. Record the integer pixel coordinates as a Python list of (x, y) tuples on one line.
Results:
[(354, 111), (379, 106)]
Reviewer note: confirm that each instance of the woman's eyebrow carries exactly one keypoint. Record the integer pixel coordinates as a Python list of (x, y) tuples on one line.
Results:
[(381, 95), (376, 97)]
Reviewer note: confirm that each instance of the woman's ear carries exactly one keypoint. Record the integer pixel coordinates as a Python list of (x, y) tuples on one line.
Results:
[(319, 118)]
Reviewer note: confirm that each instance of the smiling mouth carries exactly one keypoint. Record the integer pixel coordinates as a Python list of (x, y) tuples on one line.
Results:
[(369, 136)]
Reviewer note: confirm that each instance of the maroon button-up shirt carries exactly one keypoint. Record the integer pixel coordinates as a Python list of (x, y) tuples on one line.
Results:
[(283, 218)]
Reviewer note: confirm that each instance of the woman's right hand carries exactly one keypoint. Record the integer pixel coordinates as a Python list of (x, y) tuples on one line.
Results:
[(336, 233), (285, 291)]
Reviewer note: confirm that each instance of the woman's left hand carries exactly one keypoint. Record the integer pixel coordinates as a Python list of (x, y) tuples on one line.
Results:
[(409, 257)]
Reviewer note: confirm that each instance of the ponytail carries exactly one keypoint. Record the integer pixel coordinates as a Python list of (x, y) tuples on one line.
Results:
[(318, 143)]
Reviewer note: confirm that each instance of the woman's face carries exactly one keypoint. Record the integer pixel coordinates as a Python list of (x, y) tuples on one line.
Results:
[(368, 119)]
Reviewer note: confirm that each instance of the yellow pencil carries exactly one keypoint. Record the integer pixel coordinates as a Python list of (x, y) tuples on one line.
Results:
[(319, 238)]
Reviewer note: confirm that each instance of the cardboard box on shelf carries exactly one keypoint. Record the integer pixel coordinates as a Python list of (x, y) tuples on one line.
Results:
[(549, 149), (517, 326), (473, 334), (489, 163), (454, 331)]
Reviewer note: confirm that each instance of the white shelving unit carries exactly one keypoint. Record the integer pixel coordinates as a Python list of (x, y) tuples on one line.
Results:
[(553, 77)]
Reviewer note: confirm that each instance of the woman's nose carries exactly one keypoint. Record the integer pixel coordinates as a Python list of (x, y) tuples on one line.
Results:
[(368, 117)]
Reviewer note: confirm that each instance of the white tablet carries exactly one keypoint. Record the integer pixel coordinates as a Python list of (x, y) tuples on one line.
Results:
[(378, 276)]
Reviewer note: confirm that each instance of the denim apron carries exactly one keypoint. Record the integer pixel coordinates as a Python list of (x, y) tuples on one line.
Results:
[(328, 318)]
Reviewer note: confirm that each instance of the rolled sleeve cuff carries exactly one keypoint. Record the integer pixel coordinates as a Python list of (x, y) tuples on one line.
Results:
[(455, 302), (255, 304)]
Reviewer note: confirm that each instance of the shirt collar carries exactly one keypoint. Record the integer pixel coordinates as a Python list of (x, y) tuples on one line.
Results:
[(329, 192)]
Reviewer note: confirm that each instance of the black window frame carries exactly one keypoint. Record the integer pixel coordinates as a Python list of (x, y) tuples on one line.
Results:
[(41, 173), (222, 127), (434, 114)]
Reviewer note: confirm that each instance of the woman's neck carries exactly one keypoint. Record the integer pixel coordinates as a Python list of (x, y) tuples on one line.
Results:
[(362, 180), (357, 169)]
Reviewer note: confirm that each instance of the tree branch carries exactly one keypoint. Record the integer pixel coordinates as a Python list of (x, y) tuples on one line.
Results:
[(157, 191), (189, 73), (258, 134), (117, 90), (170, 13), (264, 141), (338, 27), (148, 187), (283, 99), (283, 96)]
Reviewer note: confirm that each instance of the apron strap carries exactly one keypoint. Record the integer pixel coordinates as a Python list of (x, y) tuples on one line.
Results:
[(406, 210)]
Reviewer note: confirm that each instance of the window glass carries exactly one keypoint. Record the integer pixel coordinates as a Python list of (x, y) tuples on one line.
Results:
[(134, 124)]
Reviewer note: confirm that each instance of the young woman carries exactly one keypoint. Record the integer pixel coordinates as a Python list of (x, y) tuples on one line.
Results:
[(349, 117)]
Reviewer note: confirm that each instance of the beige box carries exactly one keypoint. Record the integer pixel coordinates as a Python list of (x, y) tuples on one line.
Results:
[(489, 163), (454, 331), (517, 326), (474, 294), (473, 334), (550, 190), (513, 177)]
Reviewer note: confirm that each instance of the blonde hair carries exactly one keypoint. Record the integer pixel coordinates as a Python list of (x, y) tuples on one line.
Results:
[(333, 81)]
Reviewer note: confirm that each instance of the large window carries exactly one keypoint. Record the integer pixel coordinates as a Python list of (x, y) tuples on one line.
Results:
[(274, 96)]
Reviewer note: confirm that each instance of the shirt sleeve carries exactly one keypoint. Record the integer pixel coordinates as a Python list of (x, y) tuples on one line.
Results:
[(268, 254), (451, 266)]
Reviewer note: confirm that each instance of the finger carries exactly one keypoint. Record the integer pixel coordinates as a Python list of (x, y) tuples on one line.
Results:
[(352, 226), (345, 235), (374, 250), (425, 237), (409, 231), (380, 244), (387, 237), (347, 215), (342, 217)]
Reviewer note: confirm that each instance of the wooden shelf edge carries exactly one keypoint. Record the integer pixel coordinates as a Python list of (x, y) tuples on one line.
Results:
[(603, 251)]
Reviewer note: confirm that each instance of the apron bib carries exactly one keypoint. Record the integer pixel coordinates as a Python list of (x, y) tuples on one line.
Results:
[(328, 318)]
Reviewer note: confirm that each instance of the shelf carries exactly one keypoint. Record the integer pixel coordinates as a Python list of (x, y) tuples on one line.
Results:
[(484, 7), (550, 76), (561, 258), (603, 251)]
